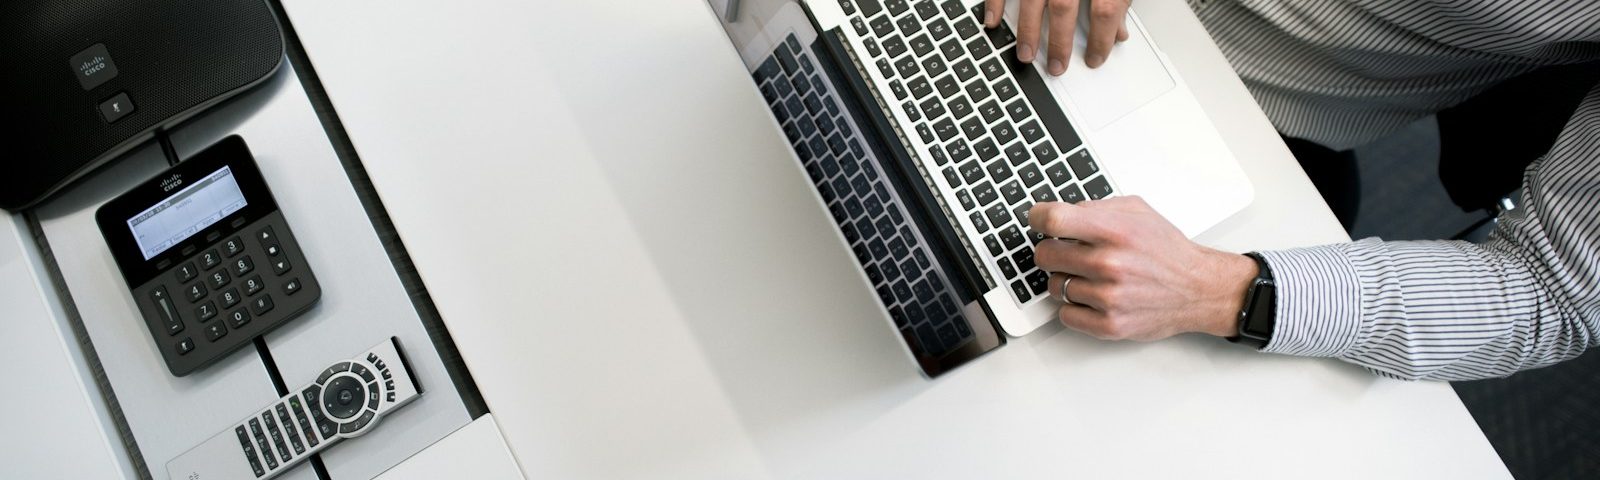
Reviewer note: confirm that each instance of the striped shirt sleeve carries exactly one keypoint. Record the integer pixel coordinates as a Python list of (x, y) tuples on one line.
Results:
[(1445, 310)]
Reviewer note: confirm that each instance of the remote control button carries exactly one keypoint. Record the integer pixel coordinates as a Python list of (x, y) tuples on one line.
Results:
[(359, 423), (185, 346), (281, 266), (215, 331), (372, 358), (326, 427), (219, 279), (210, 259), (253, 285), (243, 266), (341, 398), (230, 298), (186, 272), (275, 436), (273, 250), (292, 287), (261, 443), (303, 421), (372, 396), (388, 386), (196, 292), (289, 430), (361, 371), (188, 250), (206, 311), (385, 373), (391, 396), (238, 318), (168, 313), (249, 450), (233, 247), (266, 236), (261, 305), (329, 373)]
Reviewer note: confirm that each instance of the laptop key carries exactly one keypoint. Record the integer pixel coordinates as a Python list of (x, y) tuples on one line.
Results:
[(1018, 110), (1012, 192), (972, 171), (907, 66), (929, 339), (909, 25), (1017, 153), (978, 91), (939, 158), (1098, 187), (997, 214), (921, 45), (978, 222), (1071, 194), (939, 29), (934, 65), (1044, 152), (1058, 174), (924, 132), (932, 108), (1043, 194), (869, 7), (958, 150), (896, 7), (990, 111), (973, 127), (912, 113), (953, 9), (1011, 237), (952, 50), (952, 177), (1039, 281), (926, 10), (1021, 212), (787, 60), (1003, 132), (1005, 268), (965, 199), (898, 89), (964, 70), (986, 149), (1082, 164), (999, 172), (980, 48), (859, 25), (1031, 131), (881, 26), (1004, 89), (872, 47), (1020, 289), (893, 46), (993, 242), (991, 68), (1030, 175), (884, 68), (919, 87), (947, 86), (1024, 259), (966, 28), (984, 193), (946, 129), (959, 108)]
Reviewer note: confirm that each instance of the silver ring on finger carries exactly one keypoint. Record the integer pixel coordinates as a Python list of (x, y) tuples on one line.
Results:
[(1064, 291)]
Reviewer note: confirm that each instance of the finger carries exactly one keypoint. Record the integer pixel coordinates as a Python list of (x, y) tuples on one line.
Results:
[(1084, 319), (1122, 33), (1063, 22), (1125, 203), (992, 10), (1029, 14), (1087, 221), (1105, 20), (1080, 290), (1069, 257)]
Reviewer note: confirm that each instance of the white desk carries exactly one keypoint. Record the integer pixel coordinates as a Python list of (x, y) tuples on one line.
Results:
[(574, 183)]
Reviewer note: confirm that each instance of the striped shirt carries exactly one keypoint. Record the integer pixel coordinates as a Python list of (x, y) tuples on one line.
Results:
[(1344, 72)]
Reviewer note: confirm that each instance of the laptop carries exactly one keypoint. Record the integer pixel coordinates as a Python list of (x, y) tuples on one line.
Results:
[(928, 143)]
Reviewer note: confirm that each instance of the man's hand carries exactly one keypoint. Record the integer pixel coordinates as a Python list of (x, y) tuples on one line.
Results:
[(1134, 275), (1105, 28)]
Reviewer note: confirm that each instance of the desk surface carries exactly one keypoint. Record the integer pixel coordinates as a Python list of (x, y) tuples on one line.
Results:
[(643, 285)]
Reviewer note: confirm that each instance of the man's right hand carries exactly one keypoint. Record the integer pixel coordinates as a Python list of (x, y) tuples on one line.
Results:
[(1105, 29)]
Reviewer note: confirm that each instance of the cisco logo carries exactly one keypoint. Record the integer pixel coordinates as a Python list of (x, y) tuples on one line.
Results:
[(92, 66), (169, 183)]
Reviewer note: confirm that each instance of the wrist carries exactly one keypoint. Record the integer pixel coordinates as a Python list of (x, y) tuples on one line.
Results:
[(1234, 274)]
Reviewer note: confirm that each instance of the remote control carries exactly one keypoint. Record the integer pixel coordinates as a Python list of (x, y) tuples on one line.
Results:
[(345, 401)]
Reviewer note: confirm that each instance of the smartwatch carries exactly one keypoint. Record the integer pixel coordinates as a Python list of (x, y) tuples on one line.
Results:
[(1257, 317)]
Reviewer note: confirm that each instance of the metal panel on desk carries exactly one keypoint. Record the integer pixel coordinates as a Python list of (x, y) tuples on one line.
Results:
[(712, 323), (363, 301), (166, 414), (51, 398)]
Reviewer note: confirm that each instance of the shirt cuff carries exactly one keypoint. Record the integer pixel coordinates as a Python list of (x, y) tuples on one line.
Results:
[(1318, 301)]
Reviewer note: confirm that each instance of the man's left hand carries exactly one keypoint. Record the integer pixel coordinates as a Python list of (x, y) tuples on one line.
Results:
[(1134, 276)]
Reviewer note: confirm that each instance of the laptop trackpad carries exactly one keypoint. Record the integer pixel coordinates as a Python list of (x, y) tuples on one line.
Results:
[(1131, 77)]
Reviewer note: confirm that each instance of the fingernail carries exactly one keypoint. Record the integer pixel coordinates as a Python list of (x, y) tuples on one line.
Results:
[(989, 17), (1095, 60), (1025, 52), (1057, 67)]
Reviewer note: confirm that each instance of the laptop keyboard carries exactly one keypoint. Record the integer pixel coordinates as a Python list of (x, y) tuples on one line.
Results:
[(870, 215), (992, 130)]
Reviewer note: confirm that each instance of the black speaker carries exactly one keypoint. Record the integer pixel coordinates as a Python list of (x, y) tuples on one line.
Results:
[(87, 80)]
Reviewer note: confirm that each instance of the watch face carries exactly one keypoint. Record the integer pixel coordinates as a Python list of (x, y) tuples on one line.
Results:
[(1262, 315)]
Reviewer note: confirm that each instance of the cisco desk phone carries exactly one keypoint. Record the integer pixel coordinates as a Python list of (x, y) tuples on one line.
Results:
[(211, 262)]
